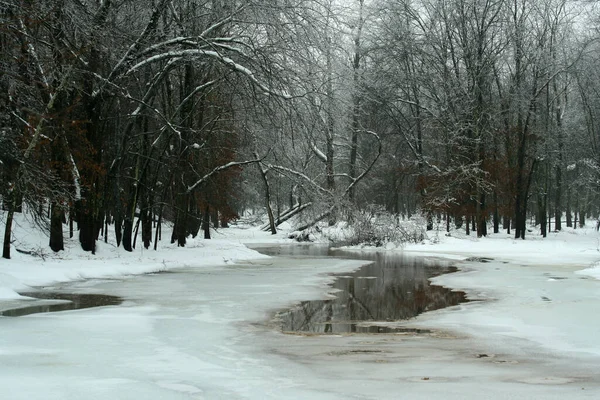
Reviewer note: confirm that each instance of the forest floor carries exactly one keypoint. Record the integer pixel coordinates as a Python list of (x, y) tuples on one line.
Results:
[(532, 334)]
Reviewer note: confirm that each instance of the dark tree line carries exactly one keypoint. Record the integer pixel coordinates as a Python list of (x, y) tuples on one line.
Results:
[(124, 112)]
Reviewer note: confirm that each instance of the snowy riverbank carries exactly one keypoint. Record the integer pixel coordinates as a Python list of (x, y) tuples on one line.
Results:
[(575, 249)]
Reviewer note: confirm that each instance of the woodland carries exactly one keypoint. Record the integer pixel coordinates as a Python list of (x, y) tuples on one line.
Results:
[(122, 115)]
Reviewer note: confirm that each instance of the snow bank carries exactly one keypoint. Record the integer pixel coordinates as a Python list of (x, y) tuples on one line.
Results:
[(593, 271), (36, 265)]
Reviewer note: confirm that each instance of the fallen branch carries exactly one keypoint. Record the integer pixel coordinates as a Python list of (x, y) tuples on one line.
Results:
[(287, 215)]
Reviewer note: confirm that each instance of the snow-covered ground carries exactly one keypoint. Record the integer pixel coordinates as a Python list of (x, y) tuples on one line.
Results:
[(73, 264), (203, 332)]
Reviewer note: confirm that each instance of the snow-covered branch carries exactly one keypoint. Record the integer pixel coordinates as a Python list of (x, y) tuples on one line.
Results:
[(304, 177), (320, 155), (217, 170), (371, 165), (212, 54)]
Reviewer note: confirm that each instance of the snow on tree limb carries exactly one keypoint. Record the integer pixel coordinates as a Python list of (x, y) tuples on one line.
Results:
[(40, 125), (76, 177), (320, 155), (217, 170), (193, 93), (212, 54), (304, 177), (33, 53), (220, 23), (368, 169)]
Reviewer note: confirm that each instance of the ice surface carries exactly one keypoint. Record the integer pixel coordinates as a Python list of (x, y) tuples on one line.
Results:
[(202, 331)]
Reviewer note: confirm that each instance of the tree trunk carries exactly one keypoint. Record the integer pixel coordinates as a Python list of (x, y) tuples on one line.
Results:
[(542, 214), (136, 231), (71, 212), (458, 221), (356, 102), (130, 216), (330, 129), (206, 223), (568, 210), (118, 229), (87, 227), (558, 198), (194, 218), (7, 232), (482, 217), (558, 111), (496, 213), (56, 231), (180, 228), (263, 174), (127, 234), (158, 225), (146, 217), (520, 204)]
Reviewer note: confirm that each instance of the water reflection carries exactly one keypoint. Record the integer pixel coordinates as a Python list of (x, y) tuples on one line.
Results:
[(72, 302), (394, 287)]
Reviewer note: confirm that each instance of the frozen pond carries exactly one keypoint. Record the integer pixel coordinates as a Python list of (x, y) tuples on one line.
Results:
[(392, 287), (203, 333)]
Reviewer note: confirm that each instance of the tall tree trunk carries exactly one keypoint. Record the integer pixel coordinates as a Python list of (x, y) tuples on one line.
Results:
[(118, 222), (356, 101), (206, 223), (136, 231), (158, 227), (87, 227), (542, 215), (146, 217), (263, 174), (56, 231), (558, 198), (568, 209), (71, 212), (496, 213), (330, 128), (482, 216), (127, 236), (8, 231), (180, 228)]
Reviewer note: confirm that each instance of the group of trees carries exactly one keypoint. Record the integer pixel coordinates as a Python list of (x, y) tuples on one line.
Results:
[(131, 112), (486, 96), (117, 110)]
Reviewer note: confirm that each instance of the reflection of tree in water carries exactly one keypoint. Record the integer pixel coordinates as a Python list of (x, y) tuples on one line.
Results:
[(394, 287)]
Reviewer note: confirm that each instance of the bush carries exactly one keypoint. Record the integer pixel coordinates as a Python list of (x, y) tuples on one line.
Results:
[(370, 227), (380, 228)]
